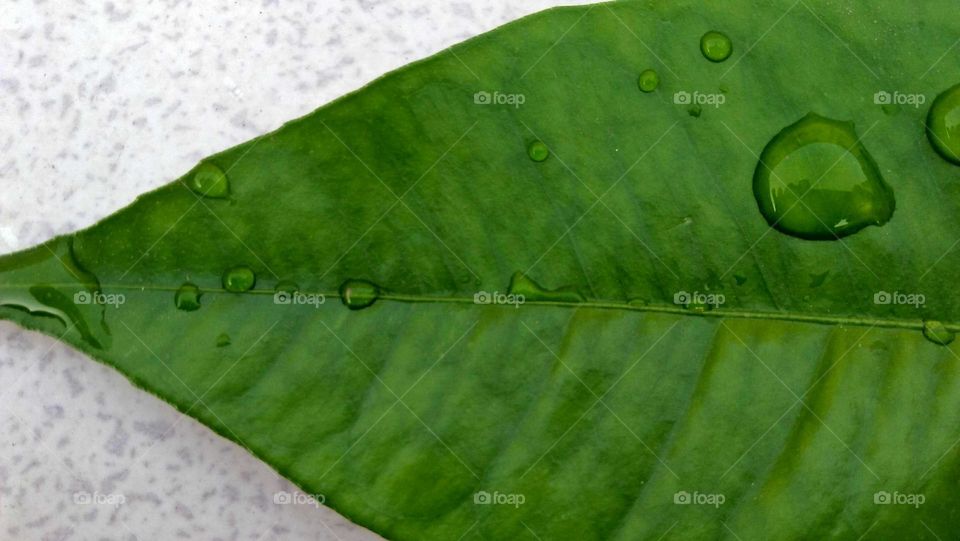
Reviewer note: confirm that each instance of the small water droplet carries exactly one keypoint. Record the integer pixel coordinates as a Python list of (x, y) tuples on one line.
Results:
[(648, 81), (943, 125), (187, 298), (538, 151), (716, 46), (740, 279), (816, 181), (695, 111), (286, 286), (520, 284), (358, 294), (223, 340), (817, 280), (937, 333), (209, 180), (638, 303), (239, 279)]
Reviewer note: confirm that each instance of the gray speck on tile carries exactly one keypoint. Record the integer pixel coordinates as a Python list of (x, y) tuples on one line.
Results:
[(118, 440)]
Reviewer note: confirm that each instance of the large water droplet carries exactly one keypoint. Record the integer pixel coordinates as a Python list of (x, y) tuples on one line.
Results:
[(648, 81), (538, 151), (358, 294), (209, 180), (943, 124), (937, 333), (239, 279), (816, 181), (187, 298), (520, 284), (67, 293), (716, 46)]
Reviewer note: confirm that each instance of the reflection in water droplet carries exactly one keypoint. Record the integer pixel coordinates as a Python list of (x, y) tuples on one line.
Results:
[(943, 125), (239, 279), (648, 81), (358, 294), (520, 284), (816, 181), (223, 340), (187, 298), (716, 46), (209, 180), (538, 151), (937, 333)]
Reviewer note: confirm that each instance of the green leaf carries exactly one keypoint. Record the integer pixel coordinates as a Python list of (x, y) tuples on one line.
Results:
[(582, 402)]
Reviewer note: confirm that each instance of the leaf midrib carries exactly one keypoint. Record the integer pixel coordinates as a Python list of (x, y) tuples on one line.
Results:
[(822, 319)]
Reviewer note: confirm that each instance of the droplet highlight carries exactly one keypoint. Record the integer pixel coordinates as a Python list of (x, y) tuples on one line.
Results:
[(239, 279), (358, 294), (209, 180), (187, 298), (538, 151), (816, 181), (648, 81), (943, 125), (716, 46), (937, 333)]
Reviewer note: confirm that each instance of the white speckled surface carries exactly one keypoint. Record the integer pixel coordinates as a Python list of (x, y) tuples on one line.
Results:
[(99, 102)]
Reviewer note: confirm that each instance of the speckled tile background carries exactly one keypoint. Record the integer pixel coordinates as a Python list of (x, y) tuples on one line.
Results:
[(99, 102)]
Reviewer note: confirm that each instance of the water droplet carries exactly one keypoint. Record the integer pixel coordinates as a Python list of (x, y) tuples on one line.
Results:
[(223, 340), (68, 292), (817, 280), (210, 181), (937, 333), (538, 151), (358, 294), (943, 125), (816, 181), (695, 111), (648, 81), (716, 46), (740, 279), (520, 284), (638, 303), (286, 286), (187, 298), (239, 279)]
